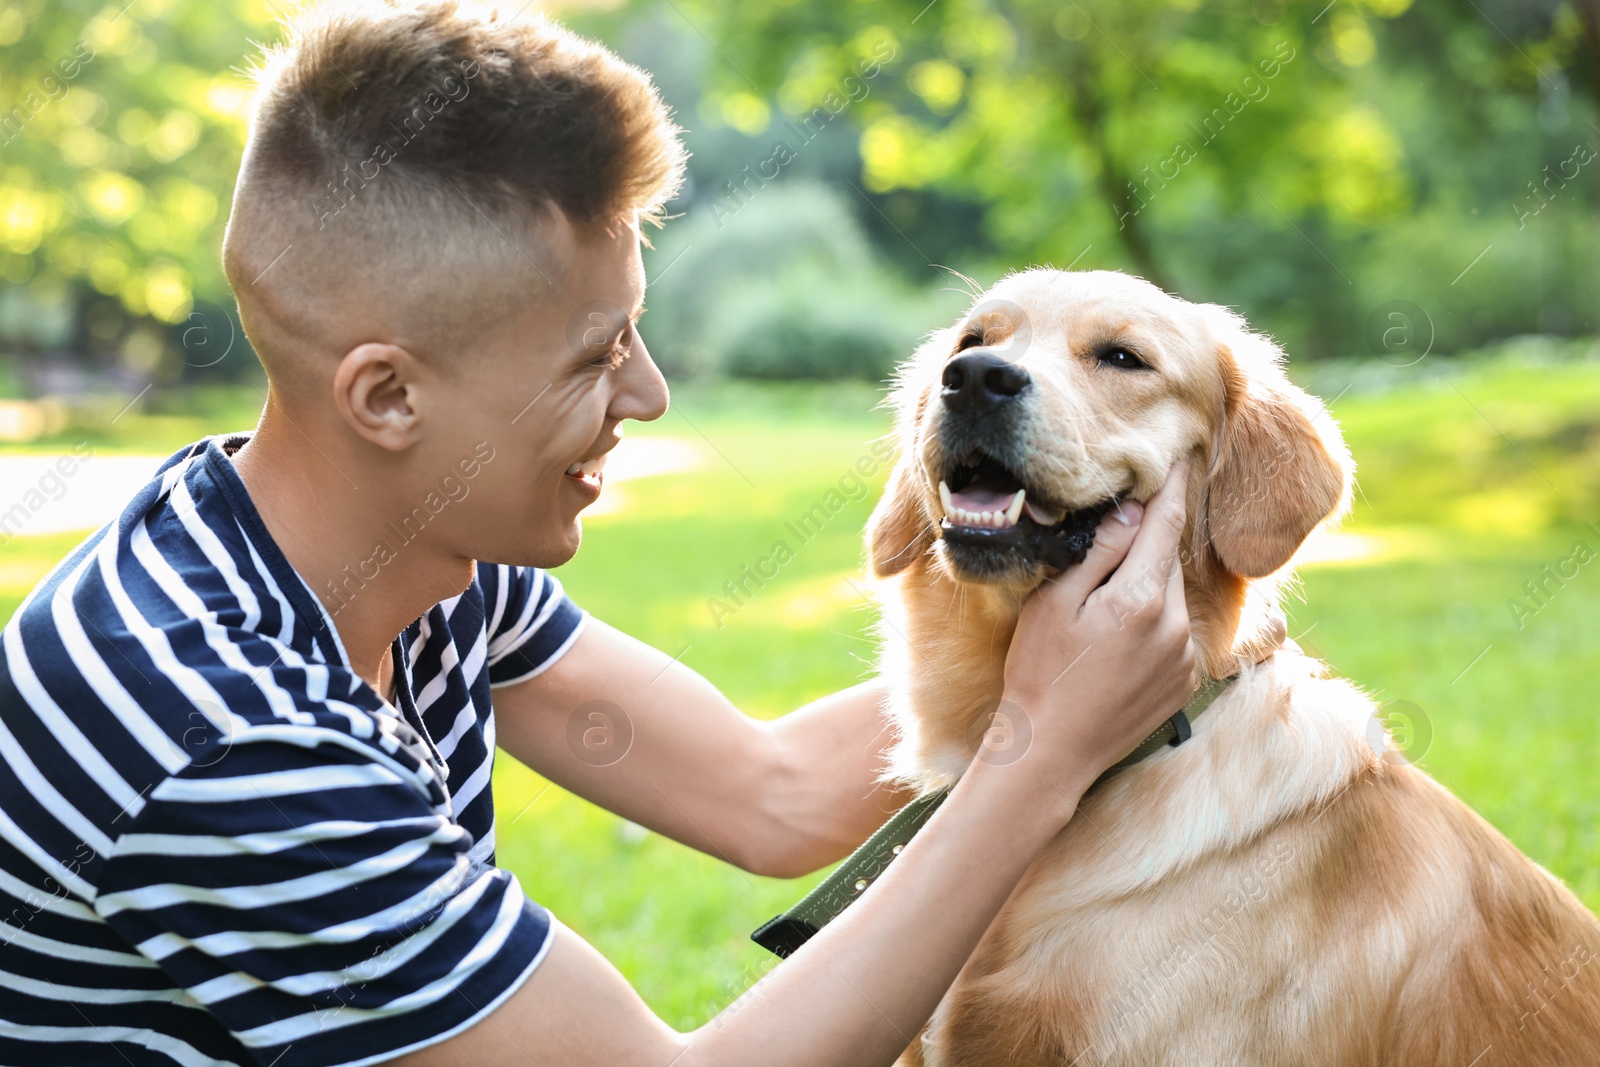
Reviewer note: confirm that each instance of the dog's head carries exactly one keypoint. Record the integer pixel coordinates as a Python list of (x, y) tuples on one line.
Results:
[(1059, 394)]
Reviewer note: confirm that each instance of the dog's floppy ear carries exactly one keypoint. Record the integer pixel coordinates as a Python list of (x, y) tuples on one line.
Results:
[(898, 532), (1280, 466)]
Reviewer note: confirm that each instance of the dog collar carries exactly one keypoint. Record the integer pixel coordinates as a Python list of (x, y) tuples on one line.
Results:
[(785, 933)]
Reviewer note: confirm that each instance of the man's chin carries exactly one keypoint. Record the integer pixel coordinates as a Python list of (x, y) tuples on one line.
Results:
[(547, 553), (562, 548)]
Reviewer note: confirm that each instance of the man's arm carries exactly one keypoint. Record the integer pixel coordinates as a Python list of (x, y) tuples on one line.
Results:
[(858, 992), (777, 798)]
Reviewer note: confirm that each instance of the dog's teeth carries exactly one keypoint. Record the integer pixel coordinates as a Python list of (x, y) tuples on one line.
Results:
[(944, 498), (1014, 512)]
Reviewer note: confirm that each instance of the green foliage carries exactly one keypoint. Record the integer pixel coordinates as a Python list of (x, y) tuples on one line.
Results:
[(1306, 163), (783, 341), (120, 132), (788, 287)]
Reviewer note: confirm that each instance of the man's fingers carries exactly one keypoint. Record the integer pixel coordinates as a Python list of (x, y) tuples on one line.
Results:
[(1112, 540), (1275, 636), (1175, 600), (1155, 548)]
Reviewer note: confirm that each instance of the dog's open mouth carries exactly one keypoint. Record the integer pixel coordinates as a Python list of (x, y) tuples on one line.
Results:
[(990, 512)]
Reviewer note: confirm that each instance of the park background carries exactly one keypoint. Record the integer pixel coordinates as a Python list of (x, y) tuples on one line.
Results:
[(1407, 196)]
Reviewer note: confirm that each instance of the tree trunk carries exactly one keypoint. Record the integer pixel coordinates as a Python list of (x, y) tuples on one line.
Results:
[(1114, 178)]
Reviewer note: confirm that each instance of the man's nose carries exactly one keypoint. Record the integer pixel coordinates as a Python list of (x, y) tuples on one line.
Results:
[(641, 390), (982, 381)]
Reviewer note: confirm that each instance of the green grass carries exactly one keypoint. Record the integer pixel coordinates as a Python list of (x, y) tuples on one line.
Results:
[(1456, 514)]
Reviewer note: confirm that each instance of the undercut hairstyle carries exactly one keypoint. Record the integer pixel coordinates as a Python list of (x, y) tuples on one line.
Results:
[(410, 157)]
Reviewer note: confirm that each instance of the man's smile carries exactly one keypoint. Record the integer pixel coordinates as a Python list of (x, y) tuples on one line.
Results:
[(590, 472)]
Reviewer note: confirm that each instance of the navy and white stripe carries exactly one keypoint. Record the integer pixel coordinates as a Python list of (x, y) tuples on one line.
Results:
[(217, 843)]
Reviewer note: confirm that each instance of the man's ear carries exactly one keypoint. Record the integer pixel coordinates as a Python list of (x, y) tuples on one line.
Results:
[(375, 391), (899, 532), (1281, 467)]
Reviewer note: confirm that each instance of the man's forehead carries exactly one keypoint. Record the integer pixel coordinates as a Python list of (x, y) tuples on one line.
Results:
[(600, 263)]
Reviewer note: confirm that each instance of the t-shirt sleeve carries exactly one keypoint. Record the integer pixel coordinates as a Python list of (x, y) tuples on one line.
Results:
[(319, 904), (531, 621)]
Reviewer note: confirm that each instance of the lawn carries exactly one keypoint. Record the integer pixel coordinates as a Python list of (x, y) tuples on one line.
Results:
[(1471, 484)]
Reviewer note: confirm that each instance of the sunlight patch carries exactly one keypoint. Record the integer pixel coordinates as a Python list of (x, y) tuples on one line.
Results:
[(1349, 548)]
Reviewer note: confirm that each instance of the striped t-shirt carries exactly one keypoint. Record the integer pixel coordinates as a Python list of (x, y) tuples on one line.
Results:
[(217, 843)]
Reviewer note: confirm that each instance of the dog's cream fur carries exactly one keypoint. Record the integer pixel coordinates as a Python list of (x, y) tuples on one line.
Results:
[(1284, 889)]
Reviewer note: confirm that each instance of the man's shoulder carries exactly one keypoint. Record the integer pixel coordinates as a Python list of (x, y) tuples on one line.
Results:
[(175, 670), (529, 621), (182, 579)]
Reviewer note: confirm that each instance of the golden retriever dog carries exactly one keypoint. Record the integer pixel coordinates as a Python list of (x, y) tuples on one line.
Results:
[(1282, 889)]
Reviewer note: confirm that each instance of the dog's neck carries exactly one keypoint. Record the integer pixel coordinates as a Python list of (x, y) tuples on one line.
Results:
[(945, 649)]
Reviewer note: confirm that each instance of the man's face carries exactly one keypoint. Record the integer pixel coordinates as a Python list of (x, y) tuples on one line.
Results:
[(536, 406)]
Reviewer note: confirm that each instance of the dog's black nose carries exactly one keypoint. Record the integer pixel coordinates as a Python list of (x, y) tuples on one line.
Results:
[(981, 381)]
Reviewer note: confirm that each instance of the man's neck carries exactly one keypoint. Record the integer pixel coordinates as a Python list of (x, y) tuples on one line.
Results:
[(326, 509)]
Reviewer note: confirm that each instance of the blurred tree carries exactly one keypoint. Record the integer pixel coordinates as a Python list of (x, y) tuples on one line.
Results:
[(1307, 162), (1084, 122), (120, 131), (1245, 150)]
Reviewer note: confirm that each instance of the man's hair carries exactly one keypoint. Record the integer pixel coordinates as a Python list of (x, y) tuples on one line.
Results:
[(408, 153)]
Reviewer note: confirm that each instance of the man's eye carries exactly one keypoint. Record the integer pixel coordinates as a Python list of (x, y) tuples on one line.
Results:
[(617, 354)]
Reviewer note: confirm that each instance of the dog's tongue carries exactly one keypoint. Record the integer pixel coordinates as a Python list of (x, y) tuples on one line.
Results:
[(1042, 516), (983, 498)]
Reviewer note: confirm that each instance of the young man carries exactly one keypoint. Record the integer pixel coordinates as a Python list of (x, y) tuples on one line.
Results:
[(242, 821)]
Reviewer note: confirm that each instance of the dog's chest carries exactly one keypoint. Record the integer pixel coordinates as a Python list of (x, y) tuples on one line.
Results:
[(1183, 972)]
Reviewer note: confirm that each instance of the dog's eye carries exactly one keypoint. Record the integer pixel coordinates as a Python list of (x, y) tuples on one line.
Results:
[(1120, 358), (969, 340)]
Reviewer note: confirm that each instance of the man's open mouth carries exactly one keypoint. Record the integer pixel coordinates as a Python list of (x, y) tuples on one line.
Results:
[(591, 471), (988, 508)]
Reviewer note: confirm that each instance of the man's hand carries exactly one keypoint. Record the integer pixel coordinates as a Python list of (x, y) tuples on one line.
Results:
[(1097, 667)]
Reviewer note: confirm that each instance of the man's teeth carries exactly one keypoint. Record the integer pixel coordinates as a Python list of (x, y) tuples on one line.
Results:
[(587, 468), (999, 519)]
